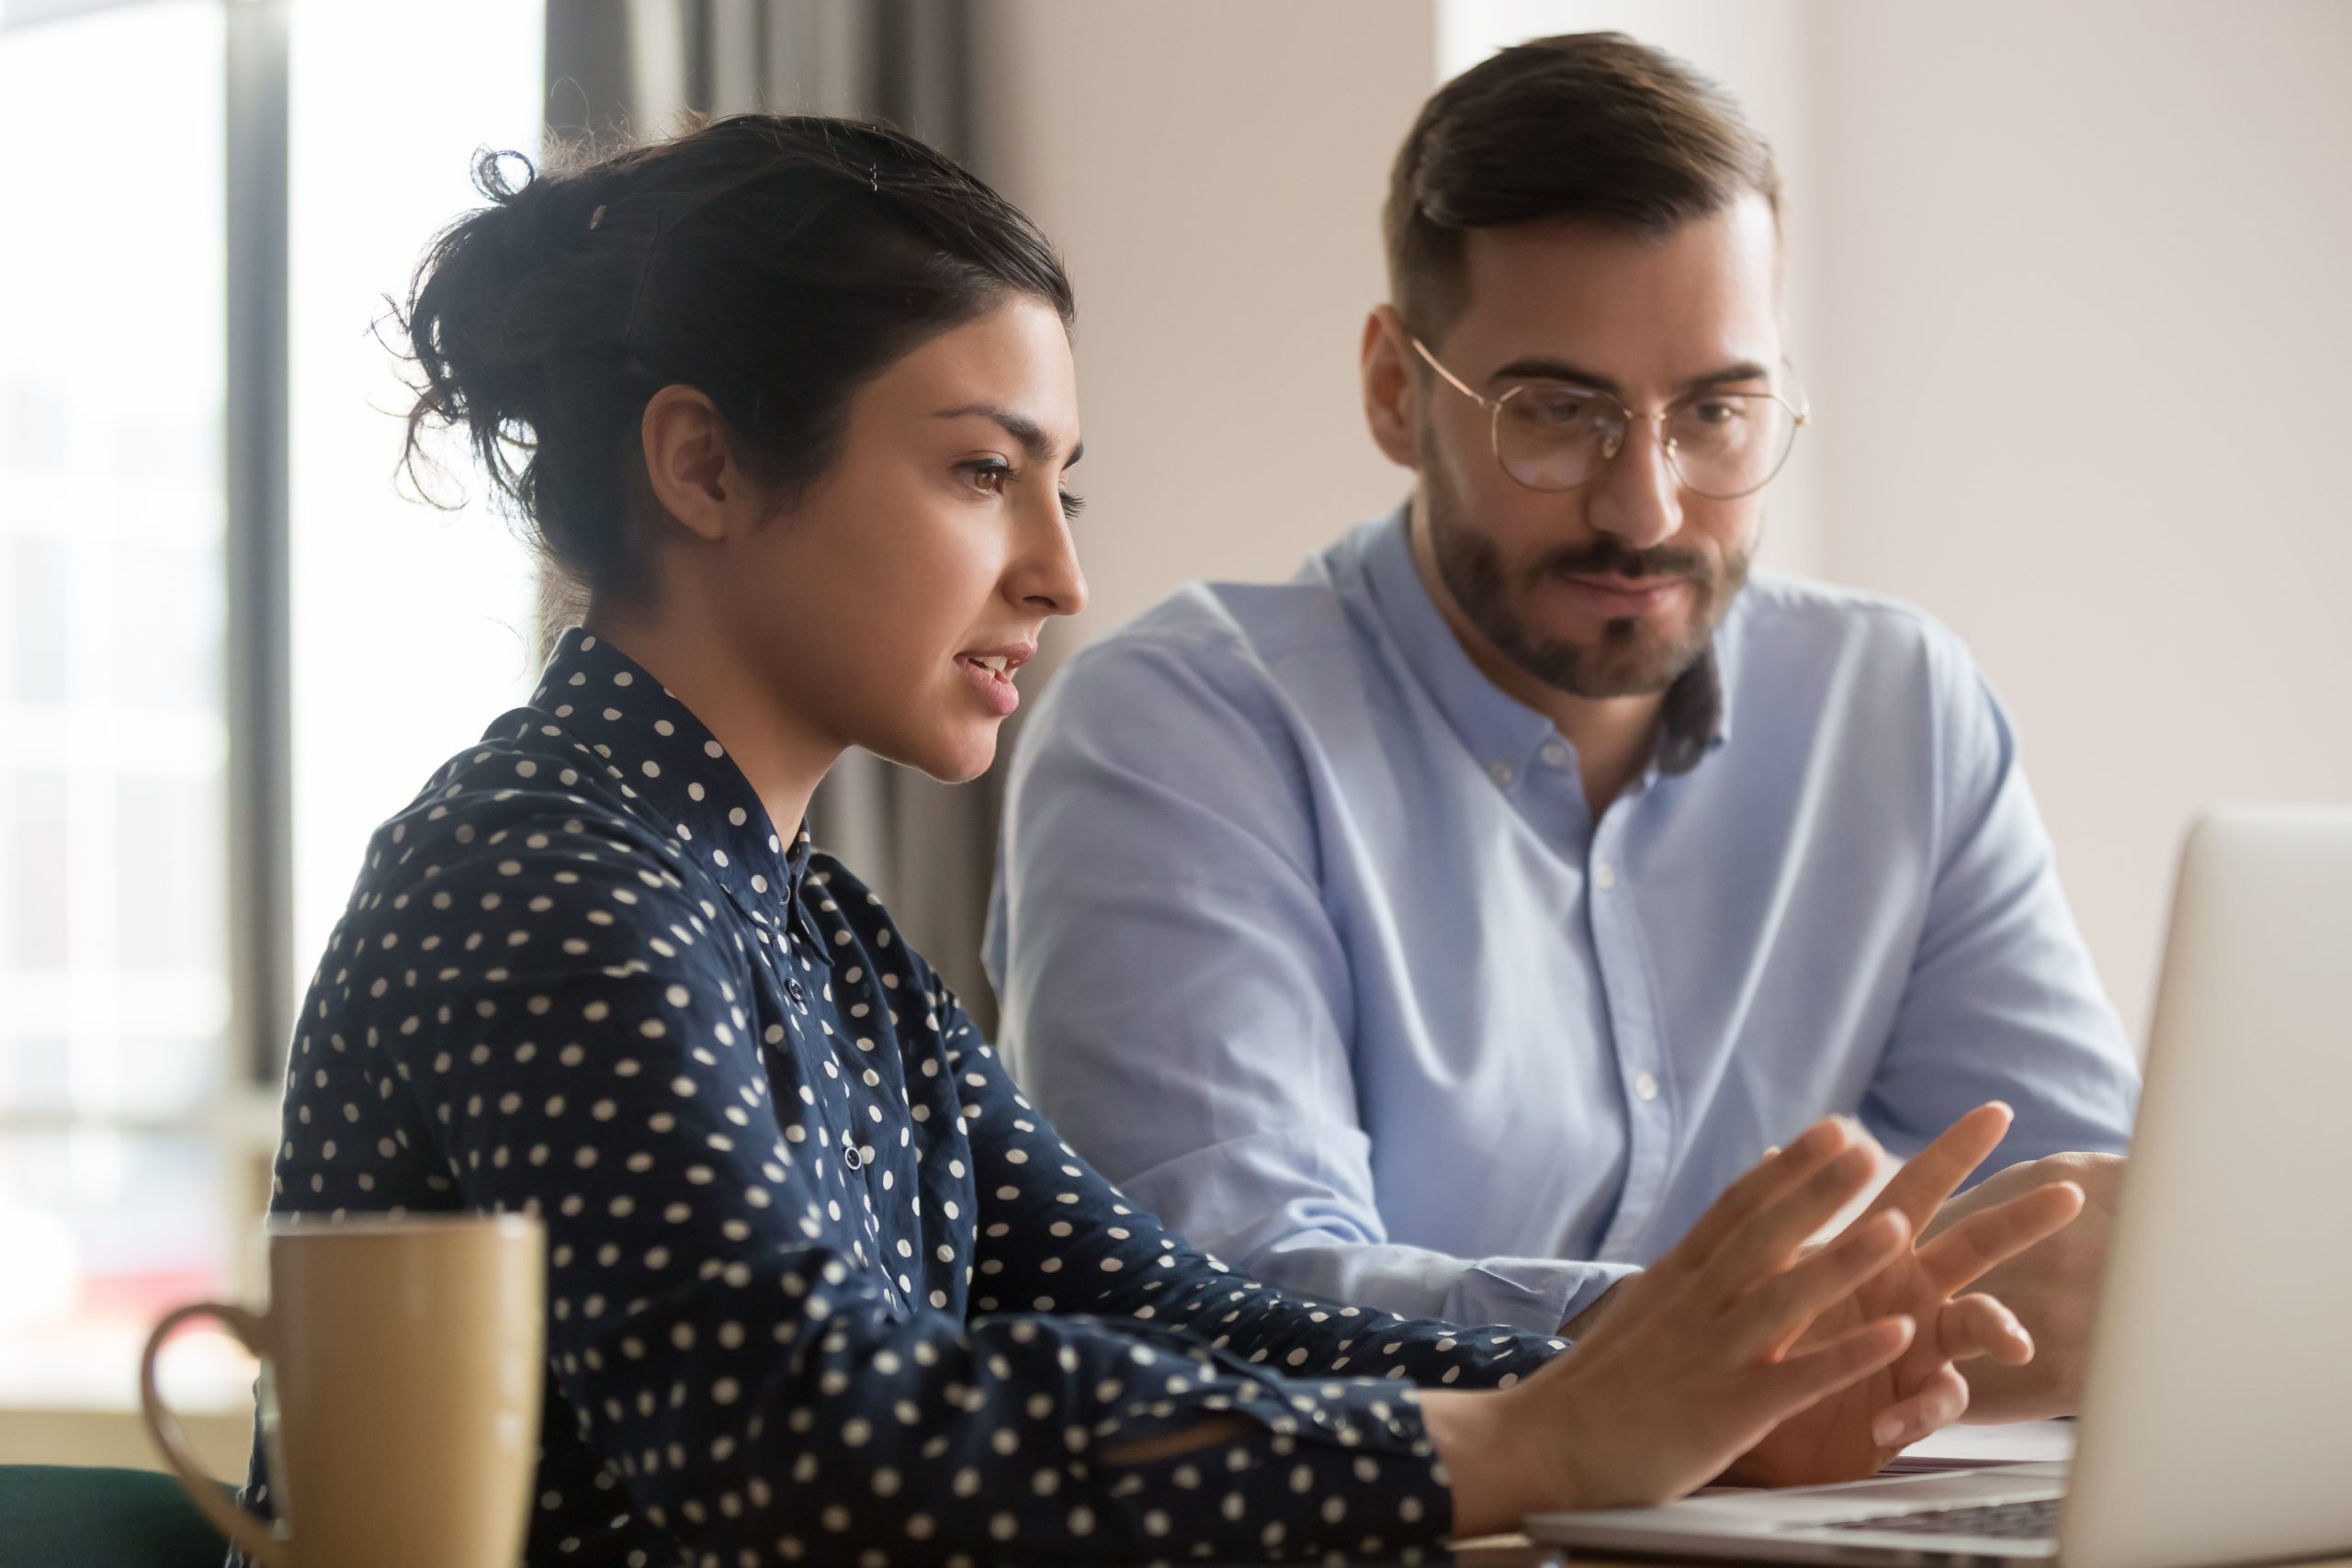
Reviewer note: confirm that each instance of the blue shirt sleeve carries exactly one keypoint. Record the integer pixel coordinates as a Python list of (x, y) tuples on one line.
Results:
[(1160, 938), (2001, 991)]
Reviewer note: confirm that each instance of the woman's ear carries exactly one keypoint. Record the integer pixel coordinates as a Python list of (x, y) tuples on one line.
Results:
[(1388, 389), (690, 465)]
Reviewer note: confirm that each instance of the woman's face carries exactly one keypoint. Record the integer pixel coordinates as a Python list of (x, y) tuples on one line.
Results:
[(889, 605)]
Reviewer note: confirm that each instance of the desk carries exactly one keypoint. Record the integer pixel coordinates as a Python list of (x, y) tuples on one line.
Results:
[(1518, 1551), (118, 1438)]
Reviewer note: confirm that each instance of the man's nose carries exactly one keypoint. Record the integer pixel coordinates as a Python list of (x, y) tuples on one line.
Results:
[(1635, 497)]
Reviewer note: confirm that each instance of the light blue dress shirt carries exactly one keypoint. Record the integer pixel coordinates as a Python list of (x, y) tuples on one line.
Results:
[(1306, 936)]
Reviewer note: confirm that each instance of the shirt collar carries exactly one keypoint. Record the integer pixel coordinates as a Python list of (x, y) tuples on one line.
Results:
[(1497, 727), (676, 777)]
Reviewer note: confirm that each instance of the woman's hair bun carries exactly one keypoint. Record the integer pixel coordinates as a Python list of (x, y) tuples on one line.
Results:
[(776, 262)]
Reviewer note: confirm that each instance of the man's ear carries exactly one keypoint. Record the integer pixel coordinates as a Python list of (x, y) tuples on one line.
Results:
[(689, 462), (1390, 391)]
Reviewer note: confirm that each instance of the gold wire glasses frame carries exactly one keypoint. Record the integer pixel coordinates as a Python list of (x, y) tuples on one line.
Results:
[(1721, 445)]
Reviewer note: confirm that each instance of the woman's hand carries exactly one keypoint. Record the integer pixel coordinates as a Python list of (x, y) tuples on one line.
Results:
[(1698, 1359), (1853, 1432), (1739, 1345)]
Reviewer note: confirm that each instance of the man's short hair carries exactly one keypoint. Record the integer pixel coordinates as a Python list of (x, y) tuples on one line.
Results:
[(1583, 126)]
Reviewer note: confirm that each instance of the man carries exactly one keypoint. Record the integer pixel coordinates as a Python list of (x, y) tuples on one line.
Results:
[(1443, 929)]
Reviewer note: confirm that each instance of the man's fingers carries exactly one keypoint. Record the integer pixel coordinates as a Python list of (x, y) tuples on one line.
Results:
[(1769, 1236), (1763, 1185), (1963, 1253), (1981, 1326), (1779, 1311), (1933, 1405), (1789, 1386), (1934, 1173)]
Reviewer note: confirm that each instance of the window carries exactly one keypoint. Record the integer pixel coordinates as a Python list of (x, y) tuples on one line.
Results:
[(113, 733), (134, 1139), (380, 154)]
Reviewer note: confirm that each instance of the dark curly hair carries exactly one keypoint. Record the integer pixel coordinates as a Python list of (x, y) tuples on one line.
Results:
[(776, 263)]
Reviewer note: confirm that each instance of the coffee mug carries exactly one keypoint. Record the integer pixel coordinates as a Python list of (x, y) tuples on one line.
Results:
[(402, 1360)]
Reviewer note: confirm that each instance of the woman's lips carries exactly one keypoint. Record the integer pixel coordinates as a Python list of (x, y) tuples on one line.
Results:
[(994, 686)]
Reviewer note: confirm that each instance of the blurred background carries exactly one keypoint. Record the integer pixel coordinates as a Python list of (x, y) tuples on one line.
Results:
[(2066, 284)]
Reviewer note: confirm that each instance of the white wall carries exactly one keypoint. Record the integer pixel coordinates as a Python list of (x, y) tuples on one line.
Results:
[(2084, 389), (1212, 171)]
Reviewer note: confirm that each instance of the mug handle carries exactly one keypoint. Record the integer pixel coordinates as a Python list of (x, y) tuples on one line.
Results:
[(260, 1541)]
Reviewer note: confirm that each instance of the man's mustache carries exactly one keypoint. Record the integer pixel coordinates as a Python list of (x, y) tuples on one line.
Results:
[(1606, 557)]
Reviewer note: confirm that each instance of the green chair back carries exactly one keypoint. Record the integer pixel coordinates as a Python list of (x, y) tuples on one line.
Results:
[(54, 1515)]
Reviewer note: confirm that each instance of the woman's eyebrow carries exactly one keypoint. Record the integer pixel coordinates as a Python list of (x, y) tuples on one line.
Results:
[(1021, 427)]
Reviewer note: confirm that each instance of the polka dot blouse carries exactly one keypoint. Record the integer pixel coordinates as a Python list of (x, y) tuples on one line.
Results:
[(822, 1285)]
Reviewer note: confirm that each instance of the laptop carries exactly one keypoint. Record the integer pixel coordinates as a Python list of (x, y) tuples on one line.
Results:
[(2217, 1415)]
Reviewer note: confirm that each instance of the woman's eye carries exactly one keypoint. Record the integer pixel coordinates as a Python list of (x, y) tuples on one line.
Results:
[(989, 477)]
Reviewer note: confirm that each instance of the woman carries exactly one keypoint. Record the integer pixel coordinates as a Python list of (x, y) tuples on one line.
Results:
[(792, 399)]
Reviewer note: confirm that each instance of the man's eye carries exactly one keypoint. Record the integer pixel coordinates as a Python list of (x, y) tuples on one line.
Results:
[(1557, 414), (1558, 409), (1717, 410)]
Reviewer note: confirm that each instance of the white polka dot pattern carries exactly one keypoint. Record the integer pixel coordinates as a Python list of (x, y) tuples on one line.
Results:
[(823, 1286)]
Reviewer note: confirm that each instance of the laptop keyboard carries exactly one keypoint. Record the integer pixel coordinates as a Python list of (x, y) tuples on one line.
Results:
[(2034, 1519)]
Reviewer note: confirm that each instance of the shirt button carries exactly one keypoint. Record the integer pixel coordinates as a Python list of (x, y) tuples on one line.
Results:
[(1501, 773), (1555, 754), (1604, 875), (1646, 1086), (792, 988), (850, 1155)]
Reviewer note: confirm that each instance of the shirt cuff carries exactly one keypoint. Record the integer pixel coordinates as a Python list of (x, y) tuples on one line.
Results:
[(1532, 1294)]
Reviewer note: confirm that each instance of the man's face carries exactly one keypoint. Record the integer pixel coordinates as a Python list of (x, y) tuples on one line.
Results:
[(1611, 589)]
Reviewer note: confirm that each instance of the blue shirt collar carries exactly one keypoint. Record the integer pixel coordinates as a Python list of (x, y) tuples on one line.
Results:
[(676, 777), (1496, 725)]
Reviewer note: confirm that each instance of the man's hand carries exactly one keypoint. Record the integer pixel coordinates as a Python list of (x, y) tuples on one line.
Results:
[(2052, 1288)]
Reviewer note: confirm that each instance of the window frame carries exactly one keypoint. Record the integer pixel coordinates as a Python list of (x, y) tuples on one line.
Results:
[(257, 481)]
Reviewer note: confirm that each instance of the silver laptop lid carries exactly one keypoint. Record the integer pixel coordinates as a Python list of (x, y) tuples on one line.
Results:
[(2217, 1419)]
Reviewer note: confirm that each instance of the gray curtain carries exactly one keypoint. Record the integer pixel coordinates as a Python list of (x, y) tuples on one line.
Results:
[(634, 69)]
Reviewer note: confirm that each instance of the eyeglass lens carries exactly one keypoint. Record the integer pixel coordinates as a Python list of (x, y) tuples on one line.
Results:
[(1721, 444)]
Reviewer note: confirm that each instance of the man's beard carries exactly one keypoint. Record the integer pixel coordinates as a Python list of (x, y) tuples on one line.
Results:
[(1625, 661)]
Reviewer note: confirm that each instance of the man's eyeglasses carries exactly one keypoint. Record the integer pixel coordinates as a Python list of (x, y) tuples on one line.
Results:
[(1550, 436)]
